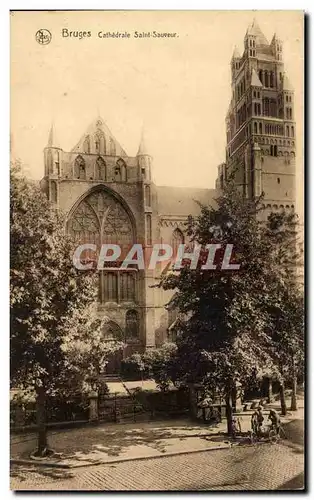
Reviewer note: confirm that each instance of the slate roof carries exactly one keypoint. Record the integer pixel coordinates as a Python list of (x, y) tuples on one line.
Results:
[(179, 201)]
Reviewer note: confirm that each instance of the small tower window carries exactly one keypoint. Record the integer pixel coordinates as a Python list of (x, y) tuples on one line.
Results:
[(260, 74), (100, 169), (278, 180), (147, 196), (266, 79), (148, 229), (271, 79), (86, 145), (112, 147), (53, 192), (49, 161), (120, 171)]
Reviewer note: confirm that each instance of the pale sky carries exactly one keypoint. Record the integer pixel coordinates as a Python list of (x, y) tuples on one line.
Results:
[(178, 87)]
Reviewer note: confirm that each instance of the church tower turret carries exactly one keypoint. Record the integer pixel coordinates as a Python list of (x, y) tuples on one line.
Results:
[(144, 160), (260, 123)]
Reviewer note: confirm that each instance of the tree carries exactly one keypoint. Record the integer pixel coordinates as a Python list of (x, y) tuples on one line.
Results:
[(226, 337), (286, 309), (57, 343), (159, 364), (288, 326)]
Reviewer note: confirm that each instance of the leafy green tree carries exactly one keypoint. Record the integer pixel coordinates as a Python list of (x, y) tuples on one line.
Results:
[(57, 344), (286, 304), (159, 364), (288, 335)]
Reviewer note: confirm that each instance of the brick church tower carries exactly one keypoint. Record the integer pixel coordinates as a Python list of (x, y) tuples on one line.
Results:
[(260, 124)]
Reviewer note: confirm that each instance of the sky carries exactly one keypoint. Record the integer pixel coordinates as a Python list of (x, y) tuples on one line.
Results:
[(177, 88)]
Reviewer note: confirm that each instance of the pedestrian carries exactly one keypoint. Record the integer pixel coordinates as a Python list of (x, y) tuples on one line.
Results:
[(257, 420), (275, 420)]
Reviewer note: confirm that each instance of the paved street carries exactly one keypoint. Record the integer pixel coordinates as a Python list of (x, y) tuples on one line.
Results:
[(260, 467), (241, 468)]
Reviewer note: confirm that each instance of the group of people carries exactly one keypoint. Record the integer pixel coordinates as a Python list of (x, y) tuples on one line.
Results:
[(257, 420)]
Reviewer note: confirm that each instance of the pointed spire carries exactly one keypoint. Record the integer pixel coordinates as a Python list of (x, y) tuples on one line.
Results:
[(52, 139), (142, 150), (236, 53), (50, 143), (255, 81), (286, 85)]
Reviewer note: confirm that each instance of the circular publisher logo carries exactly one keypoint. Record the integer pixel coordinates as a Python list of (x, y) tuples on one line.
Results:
[(43, 37)]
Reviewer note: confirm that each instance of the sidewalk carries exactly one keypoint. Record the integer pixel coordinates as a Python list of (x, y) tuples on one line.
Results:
[(108, 443)]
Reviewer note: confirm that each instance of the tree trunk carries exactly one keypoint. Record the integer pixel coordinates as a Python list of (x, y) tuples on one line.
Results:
[(193, 402), (228, 400), (283, 399), (41, 421), (294, 405), (270, 390)]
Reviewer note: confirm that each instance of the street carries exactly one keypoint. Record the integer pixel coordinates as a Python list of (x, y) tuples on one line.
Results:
[(258, 467)]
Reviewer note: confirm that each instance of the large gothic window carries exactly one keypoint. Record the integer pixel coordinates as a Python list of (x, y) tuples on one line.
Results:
[(101, 218), (79, 168), (109, 287), (127, 286)]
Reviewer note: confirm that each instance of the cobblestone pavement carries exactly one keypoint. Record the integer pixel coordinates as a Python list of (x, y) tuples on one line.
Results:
[(258, 467)]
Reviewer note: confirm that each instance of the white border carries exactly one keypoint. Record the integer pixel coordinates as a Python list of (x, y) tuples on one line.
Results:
[(4, 198)]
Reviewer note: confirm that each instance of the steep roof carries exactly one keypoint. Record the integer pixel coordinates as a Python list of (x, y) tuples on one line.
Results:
[(255, 81), (182, 201), (236, 53), (142, 149), (52, 138), (256, 31), (99, 126)]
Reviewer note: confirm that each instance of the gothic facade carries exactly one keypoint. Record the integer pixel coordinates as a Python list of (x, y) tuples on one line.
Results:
[(109, 197)]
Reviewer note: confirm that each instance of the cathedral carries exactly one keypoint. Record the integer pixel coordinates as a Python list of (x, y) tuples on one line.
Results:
[(109, 197)]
